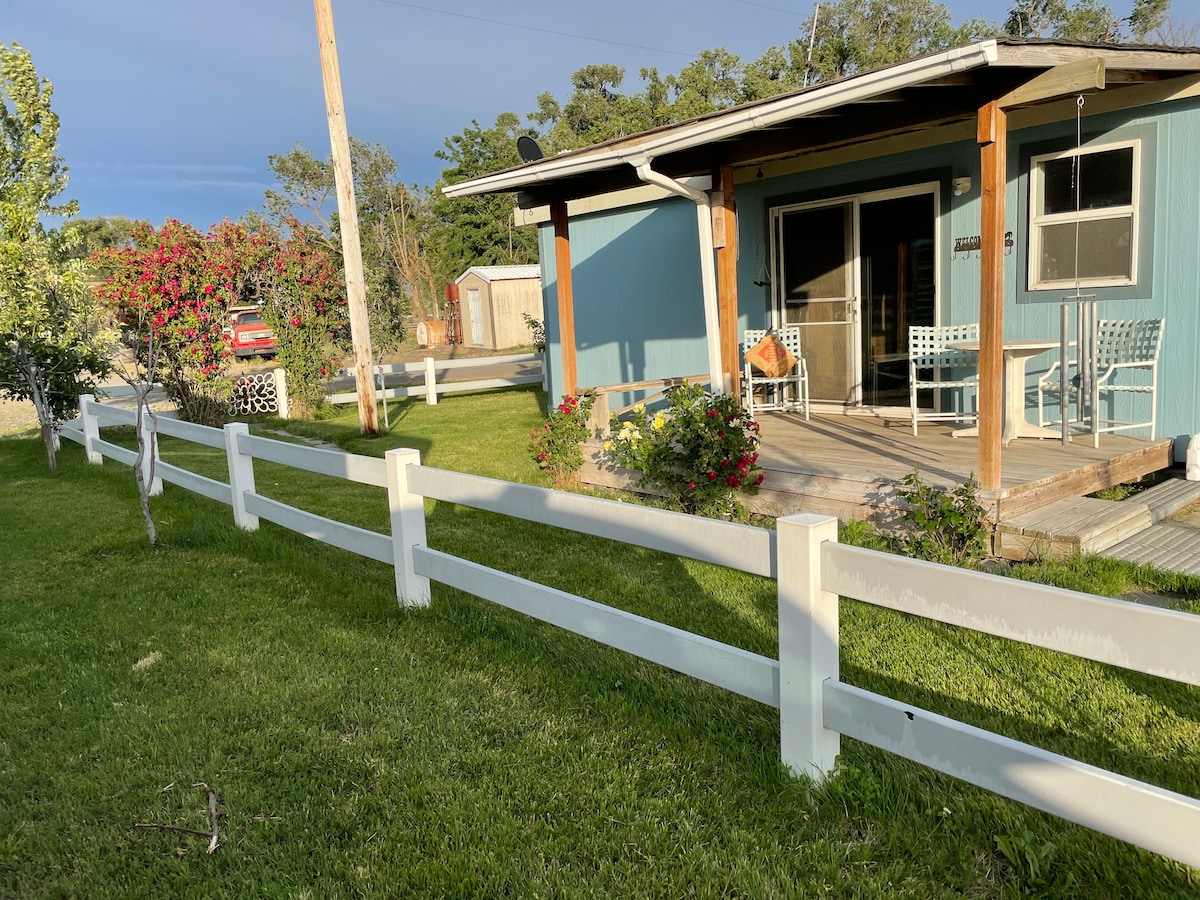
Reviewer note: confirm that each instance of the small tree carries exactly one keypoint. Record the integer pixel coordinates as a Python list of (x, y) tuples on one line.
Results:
[(50, 345)]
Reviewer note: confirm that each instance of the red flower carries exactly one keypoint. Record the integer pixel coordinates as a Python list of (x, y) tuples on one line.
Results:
[(725, 463), (712, 413), (758, 480), (208, 289), (733, 480), (691, 485), (712, 476), (295, 321)]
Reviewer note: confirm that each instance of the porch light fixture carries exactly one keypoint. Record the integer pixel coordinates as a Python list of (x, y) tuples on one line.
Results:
[(961, 186)]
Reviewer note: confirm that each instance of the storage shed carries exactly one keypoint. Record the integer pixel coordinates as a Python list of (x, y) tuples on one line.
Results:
[(492, 300)]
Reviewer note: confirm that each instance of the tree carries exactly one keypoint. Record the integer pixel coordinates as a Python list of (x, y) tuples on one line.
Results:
[(472, 231), (308, 189), (51, 347), (1085, 20), (852, 37)]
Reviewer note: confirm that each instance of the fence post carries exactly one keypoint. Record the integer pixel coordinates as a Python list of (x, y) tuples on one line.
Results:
[(808, 645), (150, 458), (408, 527), (91, 430), (281, 394), (241, 476), (430, 382)]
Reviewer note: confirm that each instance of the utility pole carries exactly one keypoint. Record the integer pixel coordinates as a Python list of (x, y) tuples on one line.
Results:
[(356, 294)]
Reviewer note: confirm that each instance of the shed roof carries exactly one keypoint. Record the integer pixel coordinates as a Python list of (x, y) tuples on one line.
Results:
[(940, 88), (501, 273)]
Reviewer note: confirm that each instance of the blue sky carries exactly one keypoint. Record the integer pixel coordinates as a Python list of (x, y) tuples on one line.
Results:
[(170, 108)]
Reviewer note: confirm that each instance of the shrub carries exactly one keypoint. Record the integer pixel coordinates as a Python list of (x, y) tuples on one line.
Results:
[(699, 452), (555, 446), (948, 526)]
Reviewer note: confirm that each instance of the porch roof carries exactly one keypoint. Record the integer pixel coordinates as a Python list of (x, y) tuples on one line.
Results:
[(938, 89)]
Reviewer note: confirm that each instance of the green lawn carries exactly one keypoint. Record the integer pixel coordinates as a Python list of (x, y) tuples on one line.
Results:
[(463, 750)]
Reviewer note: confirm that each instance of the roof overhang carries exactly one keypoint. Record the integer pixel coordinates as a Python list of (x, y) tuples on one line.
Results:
[(932, 90)]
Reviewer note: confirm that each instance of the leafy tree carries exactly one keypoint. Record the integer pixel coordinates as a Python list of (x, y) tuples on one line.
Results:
[(479, 230), (309, 191), (101, 233), (852, 37), (1085, 20), (50, 344)]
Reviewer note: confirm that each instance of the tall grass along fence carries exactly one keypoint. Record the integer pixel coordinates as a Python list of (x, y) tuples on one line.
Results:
[(811, 570), (431, 387)]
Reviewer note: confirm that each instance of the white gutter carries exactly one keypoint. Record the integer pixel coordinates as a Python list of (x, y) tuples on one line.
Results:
[(739, 121), (719, 380)]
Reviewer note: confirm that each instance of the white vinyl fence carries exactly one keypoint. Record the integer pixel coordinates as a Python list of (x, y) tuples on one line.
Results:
[(432, 387), (811, 570)]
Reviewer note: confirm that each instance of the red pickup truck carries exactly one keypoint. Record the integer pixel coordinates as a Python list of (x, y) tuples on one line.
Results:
[(249, 335)]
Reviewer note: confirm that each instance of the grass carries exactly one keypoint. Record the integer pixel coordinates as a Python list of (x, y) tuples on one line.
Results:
[(361, 750)]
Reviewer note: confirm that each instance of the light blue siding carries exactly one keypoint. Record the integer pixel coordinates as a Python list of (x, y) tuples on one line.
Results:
[(639, 310)]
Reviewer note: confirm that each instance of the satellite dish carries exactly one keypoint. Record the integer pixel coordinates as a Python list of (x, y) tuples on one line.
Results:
[(528, 149)]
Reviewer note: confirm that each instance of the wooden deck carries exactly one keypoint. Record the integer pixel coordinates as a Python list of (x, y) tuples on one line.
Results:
[(850, 466)]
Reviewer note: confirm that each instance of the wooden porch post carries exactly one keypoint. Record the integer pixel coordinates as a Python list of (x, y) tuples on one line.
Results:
[(727, 252), (566, 298), (993, 140)]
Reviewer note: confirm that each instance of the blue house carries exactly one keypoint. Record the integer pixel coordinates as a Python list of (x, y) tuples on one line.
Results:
[(943, 190)]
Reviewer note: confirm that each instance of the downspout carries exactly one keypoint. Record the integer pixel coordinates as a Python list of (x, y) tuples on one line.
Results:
[(708, 268)]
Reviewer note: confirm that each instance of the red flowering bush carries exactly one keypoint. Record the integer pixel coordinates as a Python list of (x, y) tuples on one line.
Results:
[(699, 452), (172, 289), (172, 310), (555, 446)]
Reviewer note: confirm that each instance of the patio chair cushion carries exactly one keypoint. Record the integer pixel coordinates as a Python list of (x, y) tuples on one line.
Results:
[(771, 357)]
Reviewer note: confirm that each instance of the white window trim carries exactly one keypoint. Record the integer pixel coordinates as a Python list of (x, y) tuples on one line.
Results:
[(1038, 221)]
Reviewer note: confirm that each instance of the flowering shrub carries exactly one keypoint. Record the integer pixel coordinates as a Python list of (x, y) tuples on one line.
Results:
[(555, 446), (172, 289), (700, 452), (172, 312)]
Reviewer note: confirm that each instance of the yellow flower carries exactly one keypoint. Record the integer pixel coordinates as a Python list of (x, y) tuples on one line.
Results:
[(639, 408), (608, 445), (659, 421), (627, 426)]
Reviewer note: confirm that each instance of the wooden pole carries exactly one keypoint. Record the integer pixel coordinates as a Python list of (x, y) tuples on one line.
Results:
[(727, 298), (993, 153), (566, 297), (356, 294)]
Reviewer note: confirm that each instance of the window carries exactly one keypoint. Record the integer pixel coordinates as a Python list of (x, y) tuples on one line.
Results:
[(1084, 217)]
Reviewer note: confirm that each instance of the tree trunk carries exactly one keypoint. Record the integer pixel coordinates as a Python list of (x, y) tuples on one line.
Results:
[(143, 390)]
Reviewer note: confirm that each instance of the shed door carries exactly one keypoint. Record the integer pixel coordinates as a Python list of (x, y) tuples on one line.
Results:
[(476, 316)]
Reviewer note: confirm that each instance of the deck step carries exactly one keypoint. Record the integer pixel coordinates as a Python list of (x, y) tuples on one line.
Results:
[(1168, 497), (1066, 527), (1168, 547)]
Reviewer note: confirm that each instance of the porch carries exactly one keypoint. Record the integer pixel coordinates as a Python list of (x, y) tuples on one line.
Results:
[(850, 466)]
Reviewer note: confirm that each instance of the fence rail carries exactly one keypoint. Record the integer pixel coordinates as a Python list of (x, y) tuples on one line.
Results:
[(431, 387), (811, 571)]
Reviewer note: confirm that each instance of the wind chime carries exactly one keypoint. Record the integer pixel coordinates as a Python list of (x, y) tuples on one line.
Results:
[(1085, 320)]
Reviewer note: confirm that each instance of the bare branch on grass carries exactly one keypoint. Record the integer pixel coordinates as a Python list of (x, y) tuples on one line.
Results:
[(215, 814)]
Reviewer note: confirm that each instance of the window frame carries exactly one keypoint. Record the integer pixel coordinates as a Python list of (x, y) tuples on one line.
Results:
[(1039, 221)]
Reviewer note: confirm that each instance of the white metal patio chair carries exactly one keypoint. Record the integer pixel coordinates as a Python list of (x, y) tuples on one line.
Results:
[(932, 363), (786, 392), (1121, 344)]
